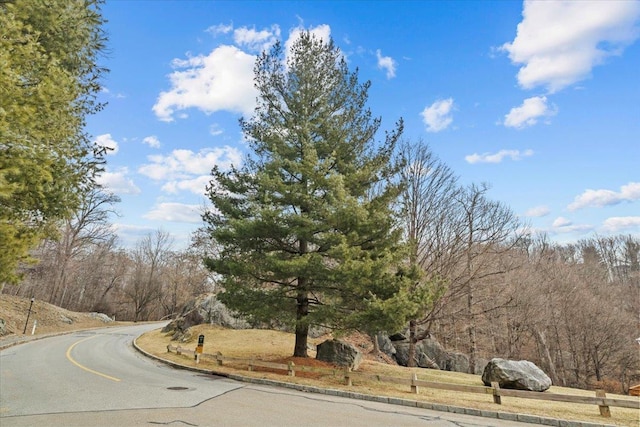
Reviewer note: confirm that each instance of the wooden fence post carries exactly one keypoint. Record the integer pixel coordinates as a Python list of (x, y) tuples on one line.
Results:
[(496, 393), (169, 348), (604, 409), (219, 359), (291, 372), (347, 376), (414, 386), (251, 362)]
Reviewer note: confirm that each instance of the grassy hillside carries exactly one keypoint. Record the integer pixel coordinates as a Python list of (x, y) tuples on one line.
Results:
[(49, 318)]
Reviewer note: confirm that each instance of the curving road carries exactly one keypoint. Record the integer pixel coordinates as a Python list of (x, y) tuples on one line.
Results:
[(96, 378)]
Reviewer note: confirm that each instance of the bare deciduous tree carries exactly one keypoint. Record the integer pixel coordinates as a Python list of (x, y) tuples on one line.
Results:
[(145, 283)]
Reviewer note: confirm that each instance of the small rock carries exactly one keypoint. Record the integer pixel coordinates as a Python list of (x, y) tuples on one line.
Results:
[(3, 328)]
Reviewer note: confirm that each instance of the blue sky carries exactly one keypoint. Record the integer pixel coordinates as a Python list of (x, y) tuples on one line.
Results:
[(541, 100)]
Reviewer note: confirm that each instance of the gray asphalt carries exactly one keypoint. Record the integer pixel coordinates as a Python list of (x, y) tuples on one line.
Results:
[(96, 378)]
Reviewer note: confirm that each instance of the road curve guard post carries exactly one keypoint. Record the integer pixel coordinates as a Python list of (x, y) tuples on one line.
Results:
[(198, 352)]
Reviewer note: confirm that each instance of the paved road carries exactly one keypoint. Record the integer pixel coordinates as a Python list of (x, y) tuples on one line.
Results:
[(96, 378)]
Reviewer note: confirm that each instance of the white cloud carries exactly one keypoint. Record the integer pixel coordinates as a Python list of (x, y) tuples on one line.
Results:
[(220, 29), (622, 223), (152, 141), (529, 112), (600, 198), (215, 130), (559, 42), (256, 41), (196, 185), (184, 164), (175, 212), (498, 157), (107, 91), (129, 235), (437, 116), (118, 182), (386, 63), (561, 222), (107, 142), (222, 80), (538, 211), (563, 225)]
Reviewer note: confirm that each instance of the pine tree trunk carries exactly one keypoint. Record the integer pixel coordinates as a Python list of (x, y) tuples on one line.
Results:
[(302, 324)]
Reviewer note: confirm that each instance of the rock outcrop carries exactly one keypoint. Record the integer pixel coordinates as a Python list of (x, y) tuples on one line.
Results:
[(101, 316), (204, 309)]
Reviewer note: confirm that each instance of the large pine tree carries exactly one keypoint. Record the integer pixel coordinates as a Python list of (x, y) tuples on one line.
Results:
[(49, 80), (305, 227)]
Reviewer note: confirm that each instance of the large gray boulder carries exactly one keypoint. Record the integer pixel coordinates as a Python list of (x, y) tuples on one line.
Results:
[(457, 362), (339, 353), (402, 353), (385, 345), (519, 375)]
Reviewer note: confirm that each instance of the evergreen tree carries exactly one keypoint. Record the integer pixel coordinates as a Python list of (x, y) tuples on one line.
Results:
[(306, 231), (48, 84)]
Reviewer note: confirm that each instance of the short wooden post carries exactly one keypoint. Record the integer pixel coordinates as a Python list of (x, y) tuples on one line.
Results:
[(291, 371), (169, 348), (219, 359), (178, 350), (496, 393), (251, 362), (604, 409), (347, 376), (197, 357), (414, 386)]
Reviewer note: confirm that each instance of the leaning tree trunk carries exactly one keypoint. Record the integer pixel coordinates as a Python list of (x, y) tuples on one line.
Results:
[(411, 362), (473, 345), (546, 354)]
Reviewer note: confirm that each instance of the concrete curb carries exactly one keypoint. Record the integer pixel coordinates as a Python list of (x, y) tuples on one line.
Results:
[(23, 339), (507, 416), (14, 339)]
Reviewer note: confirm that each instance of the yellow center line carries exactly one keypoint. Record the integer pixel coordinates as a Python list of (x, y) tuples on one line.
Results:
[(72, 360)]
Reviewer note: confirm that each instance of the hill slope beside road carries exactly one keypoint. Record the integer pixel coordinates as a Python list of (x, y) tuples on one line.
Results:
[(48, 319)]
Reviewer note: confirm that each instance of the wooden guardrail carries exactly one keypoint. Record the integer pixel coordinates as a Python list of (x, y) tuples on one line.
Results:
[(601, 400)]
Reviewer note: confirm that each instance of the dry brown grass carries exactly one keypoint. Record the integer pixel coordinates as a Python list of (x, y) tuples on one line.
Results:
[(277, 346), (51, 319)]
